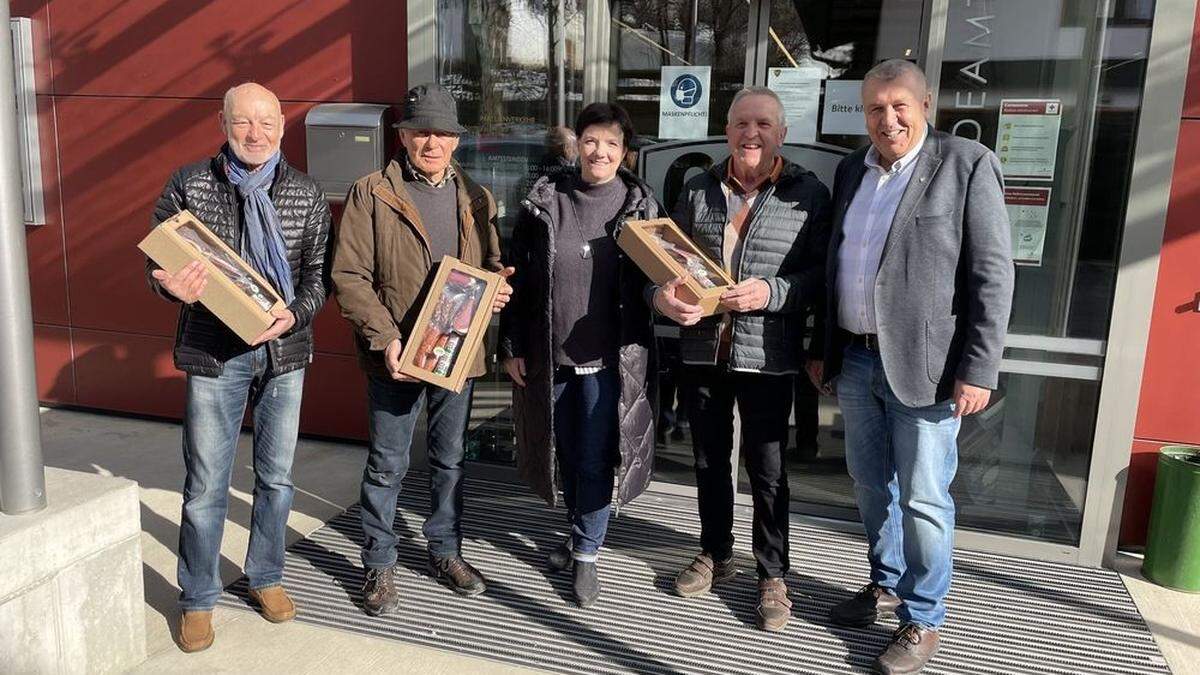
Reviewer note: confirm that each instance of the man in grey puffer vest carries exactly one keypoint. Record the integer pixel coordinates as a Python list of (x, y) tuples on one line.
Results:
[(767, 220)]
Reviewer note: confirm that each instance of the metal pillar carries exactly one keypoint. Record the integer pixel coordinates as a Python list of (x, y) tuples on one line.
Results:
[(22, 476)]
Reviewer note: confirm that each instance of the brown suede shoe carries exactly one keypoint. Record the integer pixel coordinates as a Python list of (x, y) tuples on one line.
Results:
[(864, 608), (699, 577), (910, 649), (774, 607), (195, 631), (274, 604)]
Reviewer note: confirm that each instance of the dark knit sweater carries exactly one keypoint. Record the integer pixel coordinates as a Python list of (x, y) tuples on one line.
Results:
[(585, 292), (438, 207)]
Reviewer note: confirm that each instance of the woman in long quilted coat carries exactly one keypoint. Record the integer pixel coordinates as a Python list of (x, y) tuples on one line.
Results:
[(576, 341)]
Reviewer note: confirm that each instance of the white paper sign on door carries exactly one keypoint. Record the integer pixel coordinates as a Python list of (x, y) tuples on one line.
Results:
[(800, 91), (1027, 138), (1028, 213), (683, 102), (843, 111)]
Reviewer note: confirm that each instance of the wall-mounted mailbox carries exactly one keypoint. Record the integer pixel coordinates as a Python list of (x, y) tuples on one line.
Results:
[(346, 141)]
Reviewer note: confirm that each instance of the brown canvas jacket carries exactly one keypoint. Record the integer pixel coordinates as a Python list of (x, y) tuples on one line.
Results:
[(381, 262)]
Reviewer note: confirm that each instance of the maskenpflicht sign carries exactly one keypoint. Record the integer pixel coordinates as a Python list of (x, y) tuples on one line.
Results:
[(683, 102)]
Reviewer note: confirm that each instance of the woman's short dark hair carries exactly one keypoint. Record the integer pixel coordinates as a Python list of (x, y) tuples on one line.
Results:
[(605, 114)]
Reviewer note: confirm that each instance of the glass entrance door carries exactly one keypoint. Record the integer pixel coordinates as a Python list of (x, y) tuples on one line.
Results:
[(1053, 86)]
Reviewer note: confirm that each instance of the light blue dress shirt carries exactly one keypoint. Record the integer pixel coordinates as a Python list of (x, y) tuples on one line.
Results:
[(865, 227)]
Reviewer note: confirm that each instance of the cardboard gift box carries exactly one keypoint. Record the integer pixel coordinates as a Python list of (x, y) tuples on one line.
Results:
[(450, 329), (664, 252), (236, 294)]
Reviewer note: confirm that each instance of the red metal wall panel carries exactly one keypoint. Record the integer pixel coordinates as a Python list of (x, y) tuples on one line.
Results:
[(126, 372), (315, 50), (1170, 397), (45, 244), (54, 365), (128, 93), (1191, 99), (335, 398)]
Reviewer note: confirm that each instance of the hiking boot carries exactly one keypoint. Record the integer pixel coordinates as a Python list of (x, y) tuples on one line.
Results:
[(561, 559), (703, 572), (274, 603), (774, 607), (379, 591), (864, 608), (587, 582), (195, 631), (910, 649), (457, 574)]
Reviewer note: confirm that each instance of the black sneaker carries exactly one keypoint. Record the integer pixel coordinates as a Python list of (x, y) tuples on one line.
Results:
[(379, 591), (457, 574), (587, 583), (561, 559)]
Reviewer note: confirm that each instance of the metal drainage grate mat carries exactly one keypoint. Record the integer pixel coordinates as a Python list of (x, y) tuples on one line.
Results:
[(1006, 615)]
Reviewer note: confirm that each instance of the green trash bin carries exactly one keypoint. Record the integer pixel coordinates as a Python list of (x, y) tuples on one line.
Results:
[(1173, 545)]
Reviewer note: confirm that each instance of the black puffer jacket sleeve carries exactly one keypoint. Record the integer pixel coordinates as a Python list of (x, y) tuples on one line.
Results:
[(315, 261), (170, 202)]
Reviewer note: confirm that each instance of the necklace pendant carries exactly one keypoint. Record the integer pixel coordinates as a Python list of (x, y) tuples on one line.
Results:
[(585, 251)]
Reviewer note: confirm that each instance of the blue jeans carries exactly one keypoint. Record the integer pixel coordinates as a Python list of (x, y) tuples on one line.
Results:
[(394, 407), (902, 461), (211, 425), (585, 438)]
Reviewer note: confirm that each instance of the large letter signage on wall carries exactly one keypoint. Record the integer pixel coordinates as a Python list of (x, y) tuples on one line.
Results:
[(683, 102)]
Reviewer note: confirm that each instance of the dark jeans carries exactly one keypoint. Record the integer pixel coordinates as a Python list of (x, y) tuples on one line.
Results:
[(586, 437), (764, 402), (211, 425), (394, 407)]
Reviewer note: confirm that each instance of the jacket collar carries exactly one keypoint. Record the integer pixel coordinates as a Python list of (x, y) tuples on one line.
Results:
[(542, 198)]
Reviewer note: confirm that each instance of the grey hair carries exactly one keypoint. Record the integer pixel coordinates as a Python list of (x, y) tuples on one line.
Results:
[(747, 92), (894, 69)]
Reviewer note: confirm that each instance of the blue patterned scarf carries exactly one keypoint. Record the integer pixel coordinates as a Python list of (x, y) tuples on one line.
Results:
[(262, 236)]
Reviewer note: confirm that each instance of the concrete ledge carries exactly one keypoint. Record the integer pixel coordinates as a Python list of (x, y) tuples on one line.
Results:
[(71, 579)]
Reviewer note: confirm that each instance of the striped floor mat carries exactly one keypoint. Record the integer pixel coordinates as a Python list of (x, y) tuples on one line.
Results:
[(1006, 615)]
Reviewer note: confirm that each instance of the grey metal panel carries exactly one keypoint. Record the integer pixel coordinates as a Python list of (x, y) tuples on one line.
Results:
[(1137, 276), (362, 115), (1006, 614), (21, 29)]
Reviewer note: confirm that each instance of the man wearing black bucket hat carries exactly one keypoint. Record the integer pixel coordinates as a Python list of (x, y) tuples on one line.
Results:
[(396, 224)]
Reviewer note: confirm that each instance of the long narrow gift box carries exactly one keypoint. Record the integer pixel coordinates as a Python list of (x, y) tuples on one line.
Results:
[(236, 294)]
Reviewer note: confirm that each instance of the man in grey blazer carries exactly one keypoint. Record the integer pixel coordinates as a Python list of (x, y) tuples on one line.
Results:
[(919, 287)]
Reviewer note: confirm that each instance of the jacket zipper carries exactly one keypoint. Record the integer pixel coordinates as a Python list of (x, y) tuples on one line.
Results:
[(758, 202)]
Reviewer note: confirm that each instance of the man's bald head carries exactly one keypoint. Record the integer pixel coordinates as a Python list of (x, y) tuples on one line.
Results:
[(252, 120)]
